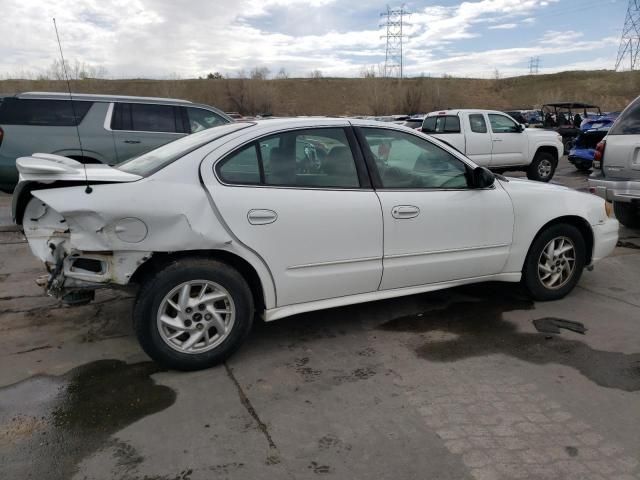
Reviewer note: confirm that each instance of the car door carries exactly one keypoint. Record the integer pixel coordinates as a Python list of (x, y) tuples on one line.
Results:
[(479, 144), (436, 227), (302, 201), (140, 127), (510, 143)]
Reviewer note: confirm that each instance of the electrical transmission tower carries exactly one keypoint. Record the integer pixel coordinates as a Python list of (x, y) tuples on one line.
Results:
[(393, 20), (534, 65), (630, 40)]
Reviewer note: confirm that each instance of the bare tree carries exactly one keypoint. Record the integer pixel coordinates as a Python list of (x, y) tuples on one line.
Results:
[(316, 74), (368, 71), (214, 76), (282, 74), (259, 73)]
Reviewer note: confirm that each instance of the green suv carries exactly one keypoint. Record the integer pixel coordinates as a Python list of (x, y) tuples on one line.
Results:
[(112, 128)]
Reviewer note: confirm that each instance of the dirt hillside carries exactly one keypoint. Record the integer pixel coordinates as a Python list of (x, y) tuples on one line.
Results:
[(367, 96)]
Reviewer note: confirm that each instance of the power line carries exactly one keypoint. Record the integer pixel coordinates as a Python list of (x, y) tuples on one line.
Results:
[(630, 39), (534, 65), (393, 20)]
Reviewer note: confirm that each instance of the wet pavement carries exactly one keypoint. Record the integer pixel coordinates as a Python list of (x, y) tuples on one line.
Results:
[(456, 384)]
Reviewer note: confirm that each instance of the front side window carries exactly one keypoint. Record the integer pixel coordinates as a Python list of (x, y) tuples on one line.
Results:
[(50, 113), (477, 123), (147, 117), (406, 161), (315, 158), (441, 124), (201, 119), (502, 124)]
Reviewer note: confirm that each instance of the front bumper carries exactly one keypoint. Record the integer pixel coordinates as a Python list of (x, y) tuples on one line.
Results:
[(605, 239), (614, 190)]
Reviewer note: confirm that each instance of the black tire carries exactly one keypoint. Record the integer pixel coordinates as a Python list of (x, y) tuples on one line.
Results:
[(530, 278), (534, 170), (567, 145), (583, 167), (156, 287), (627, 214)]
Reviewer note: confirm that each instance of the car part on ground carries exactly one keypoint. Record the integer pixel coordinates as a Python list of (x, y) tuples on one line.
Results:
[(257, 221)]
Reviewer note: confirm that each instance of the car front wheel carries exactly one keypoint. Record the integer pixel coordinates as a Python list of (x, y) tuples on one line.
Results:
[(193, 314), (542, 168), (554, 263)]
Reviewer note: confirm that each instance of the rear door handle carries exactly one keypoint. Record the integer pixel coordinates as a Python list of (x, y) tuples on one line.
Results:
[(132, 141), (405, 211), (261, 216), (497, 139)]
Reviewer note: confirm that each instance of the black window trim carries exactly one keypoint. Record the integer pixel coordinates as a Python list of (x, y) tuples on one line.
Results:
[(361, 169), (444, 131), (376, 180)]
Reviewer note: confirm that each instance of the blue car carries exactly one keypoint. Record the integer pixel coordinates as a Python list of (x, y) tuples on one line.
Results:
[(592, 130)]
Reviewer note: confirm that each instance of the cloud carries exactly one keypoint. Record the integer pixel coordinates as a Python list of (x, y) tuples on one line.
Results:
[(503, 26), (156, 38)]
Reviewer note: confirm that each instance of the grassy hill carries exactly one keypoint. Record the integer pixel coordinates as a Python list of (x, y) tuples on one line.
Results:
[(368, 96)]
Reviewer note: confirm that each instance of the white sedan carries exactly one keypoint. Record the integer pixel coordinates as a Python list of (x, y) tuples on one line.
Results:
[(286, 216)]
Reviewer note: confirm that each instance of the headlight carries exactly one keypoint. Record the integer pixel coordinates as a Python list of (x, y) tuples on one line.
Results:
[(608, 208)]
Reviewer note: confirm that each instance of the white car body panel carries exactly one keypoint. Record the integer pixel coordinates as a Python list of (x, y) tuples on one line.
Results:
[(435, 245), (326, 247)]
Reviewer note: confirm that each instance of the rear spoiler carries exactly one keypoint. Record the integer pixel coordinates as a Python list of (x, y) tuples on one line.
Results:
[(46, 167)]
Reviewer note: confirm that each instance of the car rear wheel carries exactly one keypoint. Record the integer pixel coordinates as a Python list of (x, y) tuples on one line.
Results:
[(627, 214), (554, 263), (542, 168), (193, 314)]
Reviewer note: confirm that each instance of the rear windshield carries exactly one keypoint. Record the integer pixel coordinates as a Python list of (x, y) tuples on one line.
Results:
[(628, 122), (49, 113), (150, 162)]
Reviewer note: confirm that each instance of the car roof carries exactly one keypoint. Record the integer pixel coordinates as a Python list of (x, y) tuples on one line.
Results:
[(461, 110), (100, 98)]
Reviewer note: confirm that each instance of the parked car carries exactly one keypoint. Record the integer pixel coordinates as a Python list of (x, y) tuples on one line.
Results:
[(247, 231), (495, 140), (111, 128), (616, 175), (584, 146), (414, 121), (526, 117), (561, 117)]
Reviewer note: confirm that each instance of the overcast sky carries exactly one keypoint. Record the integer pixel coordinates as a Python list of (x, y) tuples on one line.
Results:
[(164, 38)]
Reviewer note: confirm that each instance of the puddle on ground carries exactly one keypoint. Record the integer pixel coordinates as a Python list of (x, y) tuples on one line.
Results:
[(474, 327), (49, 424)]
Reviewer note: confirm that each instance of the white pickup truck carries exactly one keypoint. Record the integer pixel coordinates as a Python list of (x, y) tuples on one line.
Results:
[(495, 140)]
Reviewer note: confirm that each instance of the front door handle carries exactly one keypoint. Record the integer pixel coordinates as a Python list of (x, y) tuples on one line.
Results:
[(497, 139), (132, 141), (261, 216), (405, 211)]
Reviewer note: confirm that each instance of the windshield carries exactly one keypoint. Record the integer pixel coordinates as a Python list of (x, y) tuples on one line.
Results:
[(150, 162)]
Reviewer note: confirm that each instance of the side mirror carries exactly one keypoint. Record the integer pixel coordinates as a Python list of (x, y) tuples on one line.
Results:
[(482, 177)]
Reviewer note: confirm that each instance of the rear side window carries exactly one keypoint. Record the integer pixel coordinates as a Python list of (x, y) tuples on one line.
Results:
[(146, 117), (50, 113), (441, 124), (477, 123), (628, 122), (242, 167)]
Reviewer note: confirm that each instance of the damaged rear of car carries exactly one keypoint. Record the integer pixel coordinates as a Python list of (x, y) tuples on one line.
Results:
[(93, 226)]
